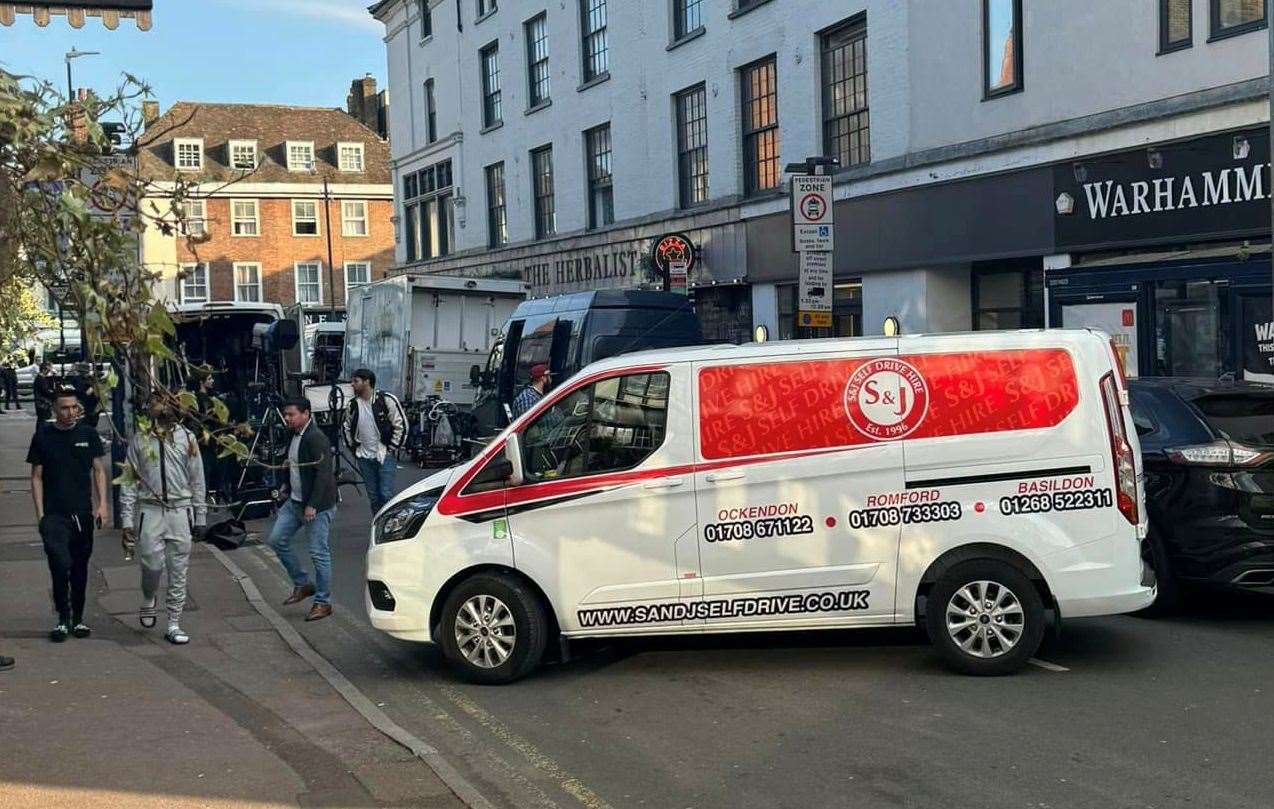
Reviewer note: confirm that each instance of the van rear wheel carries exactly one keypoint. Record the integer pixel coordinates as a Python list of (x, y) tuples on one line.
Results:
[(985, 617), (493, 629)]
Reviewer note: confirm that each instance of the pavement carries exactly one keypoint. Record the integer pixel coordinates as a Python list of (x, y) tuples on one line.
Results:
[(235, 719)]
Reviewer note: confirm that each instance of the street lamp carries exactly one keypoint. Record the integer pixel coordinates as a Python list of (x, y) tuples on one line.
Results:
[(74, 54)]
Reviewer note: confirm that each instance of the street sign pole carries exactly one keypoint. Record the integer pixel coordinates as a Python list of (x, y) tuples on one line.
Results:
[(813, 239)]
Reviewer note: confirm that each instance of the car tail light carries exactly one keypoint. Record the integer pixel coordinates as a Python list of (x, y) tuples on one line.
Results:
[(1120, 450), (1218, 453)]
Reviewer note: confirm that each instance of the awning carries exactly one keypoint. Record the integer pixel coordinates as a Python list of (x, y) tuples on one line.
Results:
[(110, 11)]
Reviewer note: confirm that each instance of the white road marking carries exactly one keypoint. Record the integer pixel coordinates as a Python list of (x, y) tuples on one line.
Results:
[(1047, 666)]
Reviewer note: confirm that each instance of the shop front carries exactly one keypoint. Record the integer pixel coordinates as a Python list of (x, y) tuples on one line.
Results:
[(700, 256), (1169, 254)]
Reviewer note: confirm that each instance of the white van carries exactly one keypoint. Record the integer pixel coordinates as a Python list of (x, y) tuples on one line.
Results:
[(970, 483)]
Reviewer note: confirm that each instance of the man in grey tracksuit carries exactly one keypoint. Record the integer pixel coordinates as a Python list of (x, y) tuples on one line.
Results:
[(162, 504)]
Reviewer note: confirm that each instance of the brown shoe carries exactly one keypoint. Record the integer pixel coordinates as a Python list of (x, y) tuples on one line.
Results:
[(319, 612), (299, 594)]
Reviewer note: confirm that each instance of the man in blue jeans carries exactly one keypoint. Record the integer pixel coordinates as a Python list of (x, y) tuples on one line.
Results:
[(374, 429), (311, 504)]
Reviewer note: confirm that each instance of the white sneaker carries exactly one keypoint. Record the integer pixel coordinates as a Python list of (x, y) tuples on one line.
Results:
[(176, 636)]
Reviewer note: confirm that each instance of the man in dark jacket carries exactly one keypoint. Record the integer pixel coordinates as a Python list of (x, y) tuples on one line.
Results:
[(9, 378), (44, 389), (311, 504)]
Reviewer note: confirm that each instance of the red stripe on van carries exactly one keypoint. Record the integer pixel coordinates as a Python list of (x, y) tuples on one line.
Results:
[(455, 505), (784, 407)]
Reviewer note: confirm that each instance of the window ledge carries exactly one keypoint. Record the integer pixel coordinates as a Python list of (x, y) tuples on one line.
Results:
[(1183, 45), (1238, 30), (486, 16), (491, 128), (1007, 91), (593, 82), (689, 37), (543, 105), (739, 12)]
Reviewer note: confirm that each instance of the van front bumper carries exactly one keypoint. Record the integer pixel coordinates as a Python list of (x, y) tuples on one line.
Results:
[(395, 603)]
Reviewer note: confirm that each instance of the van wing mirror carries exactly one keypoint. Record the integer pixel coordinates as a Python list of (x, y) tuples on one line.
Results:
[(513, 457)]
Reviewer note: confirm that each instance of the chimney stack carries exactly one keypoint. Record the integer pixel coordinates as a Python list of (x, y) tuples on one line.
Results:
[(150, 113)]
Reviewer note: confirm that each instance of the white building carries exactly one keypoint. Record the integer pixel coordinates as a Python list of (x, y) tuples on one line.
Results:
[(971, 136)]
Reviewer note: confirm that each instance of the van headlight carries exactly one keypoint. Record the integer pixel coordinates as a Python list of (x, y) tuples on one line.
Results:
[(403, 520)]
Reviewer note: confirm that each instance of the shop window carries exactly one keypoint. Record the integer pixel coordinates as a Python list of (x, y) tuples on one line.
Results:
[(1256, 337), (847, 313), (725, 313), (610, 426), (1191, 324), (1011, 298)]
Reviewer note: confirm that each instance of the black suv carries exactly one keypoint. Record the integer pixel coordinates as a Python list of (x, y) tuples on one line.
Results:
[(1208, 452)]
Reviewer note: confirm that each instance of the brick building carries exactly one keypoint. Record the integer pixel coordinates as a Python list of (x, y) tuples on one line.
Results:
[(258, 220)]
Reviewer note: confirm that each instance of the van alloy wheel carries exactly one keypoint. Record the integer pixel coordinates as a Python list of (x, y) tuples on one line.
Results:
[(485, 631), (985, 619)]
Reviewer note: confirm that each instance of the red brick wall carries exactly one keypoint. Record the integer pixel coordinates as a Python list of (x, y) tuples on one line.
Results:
[(277, 250)]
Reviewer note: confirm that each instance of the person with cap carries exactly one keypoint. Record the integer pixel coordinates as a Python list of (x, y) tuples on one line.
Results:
[(541, 377), (164, 488)]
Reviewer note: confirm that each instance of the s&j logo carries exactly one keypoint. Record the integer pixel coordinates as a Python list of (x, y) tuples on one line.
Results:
[(886, 399)]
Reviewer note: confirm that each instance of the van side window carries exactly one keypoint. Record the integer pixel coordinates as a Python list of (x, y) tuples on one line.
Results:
[(610, 426)]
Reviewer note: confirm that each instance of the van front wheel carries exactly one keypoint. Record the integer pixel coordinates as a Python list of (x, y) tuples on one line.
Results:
[(985, 618), (493, 629)]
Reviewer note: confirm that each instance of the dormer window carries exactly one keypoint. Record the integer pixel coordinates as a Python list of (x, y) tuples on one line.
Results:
[(350, 156), (300, 155), (188, 154), (243, 154)]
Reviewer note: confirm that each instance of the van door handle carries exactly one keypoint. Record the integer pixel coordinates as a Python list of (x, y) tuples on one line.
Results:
[(718, 477), (665, 483)]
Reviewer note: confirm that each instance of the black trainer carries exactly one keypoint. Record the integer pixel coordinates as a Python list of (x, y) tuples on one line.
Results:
[(7, 663), (80, 630), (60, 633)]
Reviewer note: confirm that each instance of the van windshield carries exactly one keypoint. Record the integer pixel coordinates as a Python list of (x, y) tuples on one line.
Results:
[(1247, 417)]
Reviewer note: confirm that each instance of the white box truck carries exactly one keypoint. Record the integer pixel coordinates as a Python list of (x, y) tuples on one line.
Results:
[(421, 334)]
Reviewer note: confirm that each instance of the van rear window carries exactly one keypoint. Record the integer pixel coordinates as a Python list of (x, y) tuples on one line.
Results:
[(1247, 418)]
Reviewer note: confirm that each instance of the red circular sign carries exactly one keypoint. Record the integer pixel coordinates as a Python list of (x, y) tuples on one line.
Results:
[(813, 207), (674, 249), (886, 399)]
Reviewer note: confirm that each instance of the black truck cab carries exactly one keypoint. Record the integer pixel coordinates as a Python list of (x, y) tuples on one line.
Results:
[(567, 332)]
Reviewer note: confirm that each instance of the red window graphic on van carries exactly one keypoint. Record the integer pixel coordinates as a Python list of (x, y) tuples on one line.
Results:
[(778, 407)]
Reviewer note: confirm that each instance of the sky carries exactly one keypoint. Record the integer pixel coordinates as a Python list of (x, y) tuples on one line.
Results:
[(301, 52)]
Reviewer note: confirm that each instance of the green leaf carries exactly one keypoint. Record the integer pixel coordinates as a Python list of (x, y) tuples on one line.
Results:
[(187, 400), (159, 320), (220, 412)]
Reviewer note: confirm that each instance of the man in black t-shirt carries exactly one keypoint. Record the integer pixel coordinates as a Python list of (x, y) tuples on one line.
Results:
[(67, 467)]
